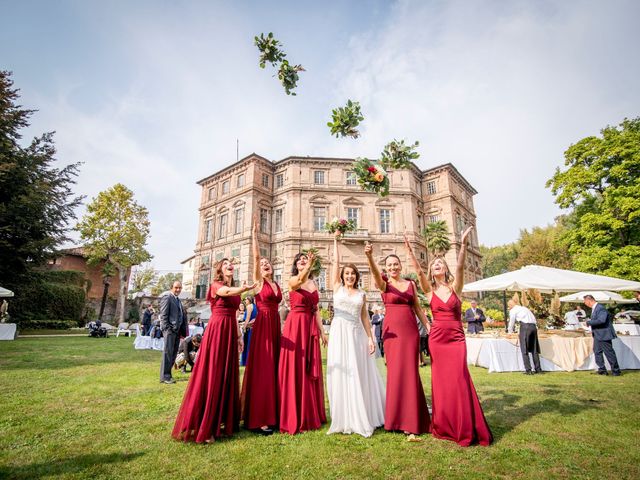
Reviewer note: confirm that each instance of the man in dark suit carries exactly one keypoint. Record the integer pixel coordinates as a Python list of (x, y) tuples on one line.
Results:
[(173, 322), (474, 317), (376, 321), (603, 335), (147, 316)]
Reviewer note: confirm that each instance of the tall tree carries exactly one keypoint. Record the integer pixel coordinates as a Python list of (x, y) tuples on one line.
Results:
[(36, 199), (142, 278), (165, 282), (115, 229), (497, 260), (436, 236), (601, 184), (542, 246)]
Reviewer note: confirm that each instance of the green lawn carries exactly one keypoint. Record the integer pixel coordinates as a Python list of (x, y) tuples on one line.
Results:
[(76, 407)]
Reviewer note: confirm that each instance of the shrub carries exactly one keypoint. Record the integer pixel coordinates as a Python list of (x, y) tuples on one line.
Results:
[(494, 314), (47, 324)]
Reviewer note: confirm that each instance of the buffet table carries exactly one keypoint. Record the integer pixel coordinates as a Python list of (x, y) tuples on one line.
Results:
[(627, 328), (557, 352)]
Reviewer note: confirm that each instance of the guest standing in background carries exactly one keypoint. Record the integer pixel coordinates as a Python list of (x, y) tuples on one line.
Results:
[(173, 322), (457, 413), (406, 406), (211, 404), (603, 335), (377, 320), (248, 320), (474, 317), (528, 336), (260, 405), (300, 370), (147, 317)]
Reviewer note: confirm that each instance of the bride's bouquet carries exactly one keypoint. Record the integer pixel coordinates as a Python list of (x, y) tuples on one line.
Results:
[(372, 177), (341, 225)]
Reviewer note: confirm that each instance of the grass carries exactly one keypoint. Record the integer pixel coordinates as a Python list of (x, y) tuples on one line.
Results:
[(77, 407)]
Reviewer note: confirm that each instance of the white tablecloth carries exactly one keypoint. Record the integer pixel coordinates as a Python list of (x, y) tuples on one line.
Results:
[(145, 342), (7, 331), (194, 330), (500, 355), (627, 328)]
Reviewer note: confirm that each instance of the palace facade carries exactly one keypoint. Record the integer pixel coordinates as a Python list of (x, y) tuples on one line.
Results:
[(293, 199)]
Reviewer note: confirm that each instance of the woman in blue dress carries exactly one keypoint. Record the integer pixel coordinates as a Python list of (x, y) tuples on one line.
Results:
[(250, 314)]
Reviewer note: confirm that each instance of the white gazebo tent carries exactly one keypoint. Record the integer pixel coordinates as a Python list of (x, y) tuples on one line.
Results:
[(549, 280), (5, 293), (599, 295), (7, 330)]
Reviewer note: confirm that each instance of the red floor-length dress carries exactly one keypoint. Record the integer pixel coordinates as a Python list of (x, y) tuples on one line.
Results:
[(457, 414), (260, 398), (211, 403), (406, 405), (300, 371)]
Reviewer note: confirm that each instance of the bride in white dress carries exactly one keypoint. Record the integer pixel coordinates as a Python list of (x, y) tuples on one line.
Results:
[(356, 390)]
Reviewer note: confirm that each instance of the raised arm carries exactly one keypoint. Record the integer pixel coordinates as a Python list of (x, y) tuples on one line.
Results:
[(227, 291), (422, 278), (296, 281), (335, 277), (366, 323), (375, 272), (459, 281), (257, 277)]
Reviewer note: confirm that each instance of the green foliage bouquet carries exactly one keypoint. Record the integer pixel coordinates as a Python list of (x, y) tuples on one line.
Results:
[(341, 225), (269, 51), (398, 155), (316, 268), (288, 76), (372, 177), (345, 120)]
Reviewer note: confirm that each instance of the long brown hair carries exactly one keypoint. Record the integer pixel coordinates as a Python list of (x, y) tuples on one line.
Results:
[(355, 270), (448, 276), (217, 272)]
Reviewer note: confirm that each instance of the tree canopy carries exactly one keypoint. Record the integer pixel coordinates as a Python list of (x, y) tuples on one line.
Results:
[(601, 186), (36, 198), (116, 229), (436, 235)]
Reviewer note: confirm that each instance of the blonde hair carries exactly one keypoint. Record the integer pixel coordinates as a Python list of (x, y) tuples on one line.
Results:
[(448, 276)]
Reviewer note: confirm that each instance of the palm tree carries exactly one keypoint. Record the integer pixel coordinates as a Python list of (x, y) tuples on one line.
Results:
[(436, 236)]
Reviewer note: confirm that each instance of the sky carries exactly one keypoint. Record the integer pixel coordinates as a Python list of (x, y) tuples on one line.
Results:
[(155, 94)]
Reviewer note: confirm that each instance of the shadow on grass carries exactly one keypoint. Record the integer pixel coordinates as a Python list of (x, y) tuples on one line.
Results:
[(65, 466), (504, 411)]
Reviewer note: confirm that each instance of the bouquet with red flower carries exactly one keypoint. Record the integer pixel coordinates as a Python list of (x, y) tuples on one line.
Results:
[(372, 177)]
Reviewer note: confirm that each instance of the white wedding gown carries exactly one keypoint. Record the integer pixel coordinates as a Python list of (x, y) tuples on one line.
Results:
[(355, 387)]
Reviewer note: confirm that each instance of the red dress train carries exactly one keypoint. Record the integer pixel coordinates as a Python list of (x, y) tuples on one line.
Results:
[(457, 414), (211, 403), (406, 405), (260, 399), (300, 369)]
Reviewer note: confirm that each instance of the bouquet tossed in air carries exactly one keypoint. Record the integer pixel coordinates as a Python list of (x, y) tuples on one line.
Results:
[(372, 177), (270, 52), (398, 155), (345, 120)]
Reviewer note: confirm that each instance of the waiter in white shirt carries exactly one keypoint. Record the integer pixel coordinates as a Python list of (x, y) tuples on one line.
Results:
[(528, 335)]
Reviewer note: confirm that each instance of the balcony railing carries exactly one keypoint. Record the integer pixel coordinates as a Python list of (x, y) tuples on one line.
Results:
[(358, 234)]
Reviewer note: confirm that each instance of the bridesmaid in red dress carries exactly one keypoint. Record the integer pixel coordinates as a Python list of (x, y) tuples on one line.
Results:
[(300, 372), (406, 407), (211, 404), (260, 385), (457, 414)]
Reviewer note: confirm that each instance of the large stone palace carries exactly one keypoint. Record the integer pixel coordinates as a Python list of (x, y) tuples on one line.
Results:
[(293, 199)]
